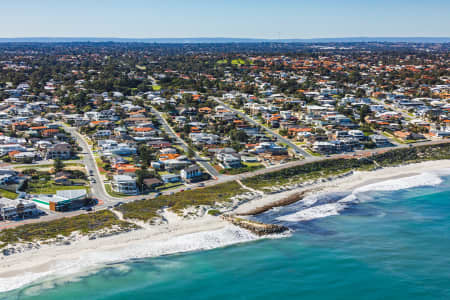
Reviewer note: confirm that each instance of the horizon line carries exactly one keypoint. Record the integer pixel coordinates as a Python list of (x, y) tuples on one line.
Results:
[(218, 37)]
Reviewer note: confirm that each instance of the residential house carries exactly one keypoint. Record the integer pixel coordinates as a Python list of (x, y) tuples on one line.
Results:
[(59, 151), (124, 184), (191, 173)]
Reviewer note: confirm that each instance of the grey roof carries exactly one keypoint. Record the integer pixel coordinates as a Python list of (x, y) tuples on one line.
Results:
[(71, 194)]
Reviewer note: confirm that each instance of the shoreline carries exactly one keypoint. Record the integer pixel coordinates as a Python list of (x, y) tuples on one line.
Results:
[(347, 183), (178, 234)]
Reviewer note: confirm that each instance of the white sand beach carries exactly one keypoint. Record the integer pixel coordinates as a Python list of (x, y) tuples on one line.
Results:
[(182, 235)]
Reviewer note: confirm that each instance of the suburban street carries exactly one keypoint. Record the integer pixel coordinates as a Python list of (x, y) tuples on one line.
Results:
[(400, 111), (205, 165), (105, 200), (98, 188), (297, 149)]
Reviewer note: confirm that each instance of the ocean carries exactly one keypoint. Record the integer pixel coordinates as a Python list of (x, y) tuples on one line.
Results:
[(390, 240)]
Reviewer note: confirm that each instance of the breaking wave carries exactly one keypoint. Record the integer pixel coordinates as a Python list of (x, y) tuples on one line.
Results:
[(317, 209), (91, 261)]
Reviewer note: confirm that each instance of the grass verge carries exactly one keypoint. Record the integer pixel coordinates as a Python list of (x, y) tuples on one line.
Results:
[(112, 193), (8, 194)]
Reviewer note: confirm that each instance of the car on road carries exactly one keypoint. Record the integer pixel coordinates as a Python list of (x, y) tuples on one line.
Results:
[(201, 184), (91, 172)]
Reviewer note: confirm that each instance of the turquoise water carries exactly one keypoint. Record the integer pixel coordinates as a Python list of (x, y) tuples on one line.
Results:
[(395, 246)]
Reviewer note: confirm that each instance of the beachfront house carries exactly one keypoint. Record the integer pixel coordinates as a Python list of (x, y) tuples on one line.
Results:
[(124, 184)]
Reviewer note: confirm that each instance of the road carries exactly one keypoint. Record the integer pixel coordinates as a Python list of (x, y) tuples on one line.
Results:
[(281, 139), (213, 172), (98, 189), (336, 156), (400, 111)]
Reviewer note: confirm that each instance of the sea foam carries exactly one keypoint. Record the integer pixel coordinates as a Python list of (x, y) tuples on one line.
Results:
[(359, 195), (96, 259)]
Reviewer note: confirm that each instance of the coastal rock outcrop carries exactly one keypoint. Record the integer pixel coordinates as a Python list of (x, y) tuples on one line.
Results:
[(260, 229)]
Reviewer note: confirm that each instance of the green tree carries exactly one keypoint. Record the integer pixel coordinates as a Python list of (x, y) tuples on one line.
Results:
[(190, 153), (365, 111), (58, 165)]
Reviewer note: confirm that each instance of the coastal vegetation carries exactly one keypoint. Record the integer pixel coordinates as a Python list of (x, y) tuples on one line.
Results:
[(84, 224), (247, 167), (329, 167), (146, 210)]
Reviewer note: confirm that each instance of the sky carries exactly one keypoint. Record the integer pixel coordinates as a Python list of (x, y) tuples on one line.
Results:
[(224, 18)]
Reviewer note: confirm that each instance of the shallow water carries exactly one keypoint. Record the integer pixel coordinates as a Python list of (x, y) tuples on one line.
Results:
[(390, 244)]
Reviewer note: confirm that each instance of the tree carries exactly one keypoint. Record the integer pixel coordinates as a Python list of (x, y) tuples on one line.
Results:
[(58, 165), (141, 175), (146, 155), (360, 93), (190, 153), (365, 111), (187, 129)]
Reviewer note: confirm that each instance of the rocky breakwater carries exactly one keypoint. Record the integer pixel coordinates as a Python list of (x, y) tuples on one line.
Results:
[(282, 202), (260, 229)]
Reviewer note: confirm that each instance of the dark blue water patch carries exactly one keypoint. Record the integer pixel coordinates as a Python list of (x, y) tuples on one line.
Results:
[(362, 210)]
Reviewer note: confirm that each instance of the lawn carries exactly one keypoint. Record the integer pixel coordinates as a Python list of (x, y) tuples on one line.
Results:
[(46, 166), (312, 152), (112, 193), (49, 187), (85, 224), (169, 185), (8, 194), (100, 165), (239, 61), (253, 164)]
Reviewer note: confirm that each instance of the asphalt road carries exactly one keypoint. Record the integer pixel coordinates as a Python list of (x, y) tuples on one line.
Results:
[(98, 189), (213, 172), (395, 109)]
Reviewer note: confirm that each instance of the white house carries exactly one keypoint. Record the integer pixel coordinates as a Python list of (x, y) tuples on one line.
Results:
[(191, 173), (124, 184)]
